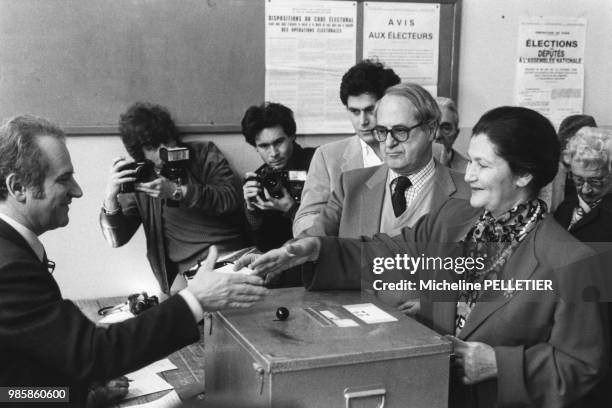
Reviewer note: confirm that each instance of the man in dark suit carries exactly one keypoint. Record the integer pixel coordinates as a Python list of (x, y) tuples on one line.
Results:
[(46, 340)]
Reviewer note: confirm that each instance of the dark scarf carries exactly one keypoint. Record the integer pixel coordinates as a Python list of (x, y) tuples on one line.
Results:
[(495, 241)]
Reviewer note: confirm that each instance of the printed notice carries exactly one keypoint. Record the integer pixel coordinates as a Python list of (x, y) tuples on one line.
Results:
[(550, 66), (309, 46), (405, 37), (369, 313)]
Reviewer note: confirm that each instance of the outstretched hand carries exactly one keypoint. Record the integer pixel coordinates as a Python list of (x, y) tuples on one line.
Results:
[(215, 290), (274, 262)]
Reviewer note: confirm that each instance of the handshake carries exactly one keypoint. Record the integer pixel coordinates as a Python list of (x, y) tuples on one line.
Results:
[(242, 284)]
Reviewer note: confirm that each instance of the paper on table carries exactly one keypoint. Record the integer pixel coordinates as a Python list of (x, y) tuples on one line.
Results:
[(369, 313), (160, 366), (146, 381), (170, 400)]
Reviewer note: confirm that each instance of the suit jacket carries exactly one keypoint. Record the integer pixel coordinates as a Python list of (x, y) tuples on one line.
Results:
[(596, 226), (327, 163), (458, 162), (550, 347), (356, 202), (46, 340)]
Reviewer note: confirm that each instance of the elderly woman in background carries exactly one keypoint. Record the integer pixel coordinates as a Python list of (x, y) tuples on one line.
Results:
[(588, 213), (562, 185), (518, 348)]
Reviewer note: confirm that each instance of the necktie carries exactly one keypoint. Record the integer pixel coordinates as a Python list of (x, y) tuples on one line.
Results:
[(50, 265), (398, 198)]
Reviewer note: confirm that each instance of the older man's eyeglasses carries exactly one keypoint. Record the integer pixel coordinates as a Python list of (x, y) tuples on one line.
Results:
[(446, 128), (594, 182), (398, 133)]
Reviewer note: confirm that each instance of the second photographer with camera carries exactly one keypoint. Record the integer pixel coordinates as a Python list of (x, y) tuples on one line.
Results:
[(272, 192), (184, 194)]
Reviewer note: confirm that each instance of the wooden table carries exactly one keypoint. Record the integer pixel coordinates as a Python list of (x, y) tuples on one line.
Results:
[(188, 380)]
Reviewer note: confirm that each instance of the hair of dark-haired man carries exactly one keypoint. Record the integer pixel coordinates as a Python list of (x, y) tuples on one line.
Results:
[(367, 76), (267, 115), (146, 125), (20, 154)]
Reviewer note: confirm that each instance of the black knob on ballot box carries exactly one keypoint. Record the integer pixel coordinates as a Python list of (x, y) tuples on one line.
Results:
[(282, 313)]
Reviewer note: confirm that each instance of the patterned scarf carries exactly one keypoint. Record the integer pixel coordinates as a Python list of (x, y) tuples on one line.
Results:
[(495, 241)]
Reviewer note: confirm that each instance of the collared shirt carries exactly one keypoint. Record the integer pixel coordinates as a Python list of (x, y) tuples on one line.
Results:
[(370, 158), (419, 180), (30, 237)]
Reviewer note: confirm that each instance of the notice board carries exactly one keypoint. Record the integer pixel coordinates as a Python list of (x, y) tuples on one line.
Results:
[(81, 63)]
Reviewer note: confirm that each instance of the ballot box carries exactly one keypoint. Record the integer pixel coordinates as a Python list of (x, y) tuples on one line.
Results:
[(335, 349)]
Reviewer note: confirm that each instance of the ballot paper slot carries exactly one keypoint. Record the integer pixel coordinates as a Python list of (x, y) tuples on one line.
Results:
[(329, 318), (318, 317)]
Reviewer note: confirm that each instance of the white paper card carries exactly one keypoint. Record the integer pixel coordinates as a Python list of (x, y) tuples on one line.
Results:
[(146, 381), (346, 323), (369, 313)]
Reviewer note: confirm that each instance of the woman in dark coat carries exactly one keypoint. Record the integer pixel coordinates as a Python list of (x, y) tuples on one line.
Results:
[(512, 347)]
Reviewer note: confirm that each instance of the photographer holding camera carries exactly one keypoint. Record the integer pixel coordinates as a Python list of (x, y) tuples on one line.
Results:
[(184, 194), (272, 193)]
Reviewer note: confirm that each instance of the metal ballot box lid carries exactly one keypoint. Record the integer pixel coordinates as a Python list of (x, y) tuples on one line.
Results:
[(307, 339), (323, 355)]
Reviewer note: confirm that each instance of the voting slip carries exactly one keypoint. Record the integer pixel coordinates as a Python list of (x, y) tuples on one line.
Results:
[(369, 313), (147, 381)]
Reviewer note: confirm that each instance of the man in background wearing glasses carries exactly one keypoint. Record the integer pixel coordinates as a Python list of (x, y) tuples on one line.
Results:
[(447, 134), (588, 213)]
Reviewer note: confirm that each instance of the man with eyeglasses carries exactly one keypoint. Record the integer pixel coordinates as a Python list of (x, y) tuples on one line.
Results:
[(588, 213), (447, 134), (407, 186), (361, 87)]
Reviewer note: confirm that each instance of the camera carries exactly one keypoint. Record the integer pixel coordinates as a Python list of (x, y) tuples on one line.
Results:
[(144, 171), (174, 167), (174, 160), (273, 180), (139, 302)]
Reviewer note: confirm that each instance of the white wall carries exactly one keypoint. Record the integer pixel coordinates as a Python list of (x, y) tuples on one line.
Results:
[(87, 267), (488, 48)]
